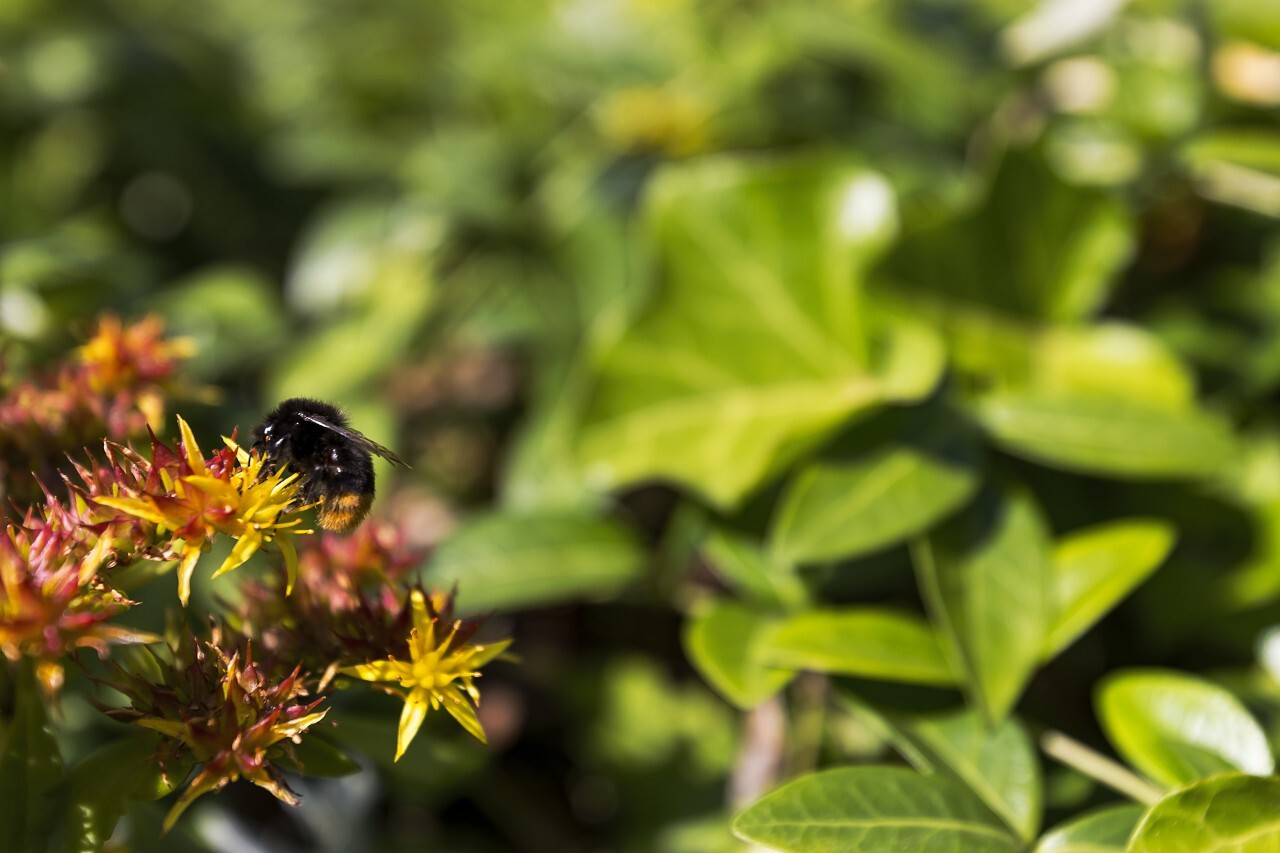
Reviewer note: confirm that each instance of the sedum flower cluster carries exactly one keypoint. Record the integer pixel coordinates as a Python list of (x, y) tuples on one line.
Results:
[(338, 612)]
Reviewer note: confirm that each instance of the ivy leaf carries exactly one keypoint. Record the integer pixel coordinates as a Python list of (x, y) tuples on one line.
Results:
[(870, 810), (1035, 247), (985, 577), (1177, 728), (1231, 813), (755, 350)]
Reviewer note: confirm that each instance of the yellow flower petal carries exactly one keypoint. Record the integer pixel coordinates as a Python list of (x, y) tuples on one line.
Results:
[(415, 710), (296, 727), (380, 670), (463, 712), (290, 554), (136, 507), (189, 446), (478, 656), (246, 546), (188, 565)]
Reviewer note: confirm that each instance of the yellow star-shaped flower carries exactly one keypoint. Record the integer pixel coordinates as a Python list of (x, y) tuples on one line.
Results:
[(435, 676), (245, 503)]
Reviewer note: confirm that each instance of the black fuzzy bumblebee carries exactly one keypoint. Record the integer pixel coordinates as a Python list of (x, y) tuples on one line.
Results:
[(333, 460)]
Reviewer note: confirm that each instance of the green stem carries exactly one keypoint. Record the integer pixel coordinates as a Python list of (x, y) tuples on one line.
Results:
[(1097, 766)]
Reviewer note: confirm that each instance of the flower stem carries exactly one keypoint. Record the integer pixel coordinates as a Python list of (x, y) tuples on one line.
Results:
[(1097, 766)]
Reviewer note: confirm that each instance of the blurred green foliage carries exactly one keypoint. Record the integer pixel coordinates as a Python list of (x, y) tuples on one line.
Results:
[(928, 346)]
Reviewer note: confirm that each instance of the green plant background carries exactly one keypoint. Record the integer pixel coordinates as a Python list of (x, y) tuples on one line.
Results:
[(838, 392)]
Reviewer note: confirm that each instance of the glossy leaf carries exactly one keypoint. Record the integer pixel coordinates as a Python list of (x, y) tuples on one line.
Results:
[(723, 643), (871, 492), (1103, 831), (512, 561), (1094, 569), (866, 641), (1177, 728), (1112, 360), (985, 576), (872, 810), (1097, 435), (1231, 813), (755, 350), (997, 763)]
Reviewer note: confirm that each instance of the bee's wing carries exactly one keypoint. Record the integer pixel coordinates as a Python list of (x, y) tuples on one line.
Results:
[(358, 438)]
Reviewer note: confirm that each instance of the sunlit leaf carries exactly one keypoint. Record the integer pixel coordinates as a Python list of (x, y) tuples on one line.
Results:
[(755, 349), (723, 643), (1102, 831), (872, 810), (866, 641), (985, 576), (743, 565), (1094, 569), (1177, 728), (997, 763), (871, 490), (1095, 435), (1231, 813), (1036, 247)]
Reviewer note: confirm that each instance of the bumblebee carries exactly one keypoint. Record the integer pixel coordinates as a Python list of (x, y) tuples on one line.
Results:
[(334, 461)]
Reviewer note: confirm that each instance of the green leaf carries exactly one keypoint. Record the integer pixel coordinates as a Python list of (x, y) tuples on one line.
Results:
[(100, 786), (1095, 435), (866, 641), (1236, 166), (743, 566), (985, 577), (872, 810), (1036, 247), (507, 562), (30, 771), (1102, 831), (998, 764), (1094, 569), (877, 486), (1112, 360), (1177, 729), (722, 642), (1226, 814), (754, 351)]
